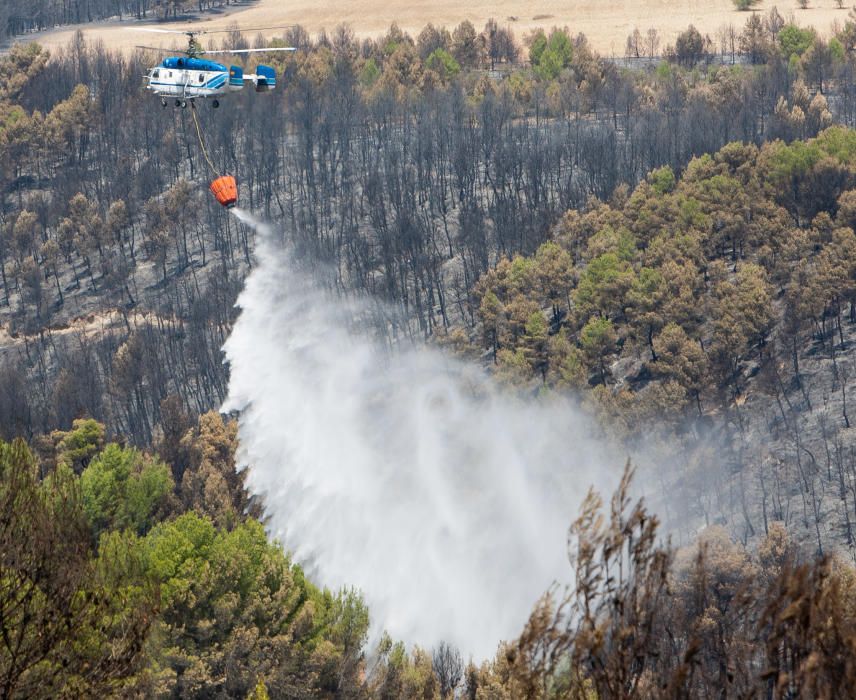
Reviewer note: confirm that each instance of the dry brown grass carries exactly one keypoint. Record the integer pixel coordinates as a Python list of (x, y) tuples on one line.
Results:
[(605, 22)]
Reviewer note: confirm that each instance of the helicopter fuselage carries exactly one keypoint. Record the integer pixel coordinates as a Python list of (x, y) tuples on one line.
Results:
[(189, 78)]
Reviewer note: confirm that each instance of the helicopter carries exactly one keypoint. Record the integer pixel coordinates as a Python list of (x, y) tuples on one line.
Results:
[(191, 76)]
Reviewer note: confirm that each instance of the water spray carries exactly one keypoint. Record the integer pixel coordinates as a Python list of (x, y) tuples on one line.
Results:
[(406, 474)]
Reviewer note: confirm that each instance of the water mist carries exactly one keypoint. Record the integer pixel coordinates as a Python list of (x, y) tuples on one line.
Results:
[(406, 474)]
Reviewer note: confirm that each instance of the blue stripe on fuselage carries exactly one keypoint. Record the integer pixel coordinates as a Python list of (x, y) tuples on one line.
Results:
[(182, 86), (174, 89), (216, 81)]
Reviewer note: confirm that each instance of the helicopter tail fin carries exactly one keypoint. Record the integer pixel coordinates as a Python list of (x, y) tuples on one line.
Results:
[(265, 78)]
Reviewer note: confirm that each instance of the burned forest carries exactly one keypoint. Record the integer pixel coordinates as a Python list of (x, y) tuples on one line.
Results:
[(663, 242)]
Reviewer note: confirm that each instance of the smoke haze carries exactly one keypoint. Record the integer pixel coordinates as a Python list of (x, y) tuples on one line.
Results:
[(406, 474)]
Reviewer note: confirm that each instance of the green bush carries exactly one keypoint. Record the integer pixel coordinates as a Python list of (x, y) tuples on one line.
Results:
[(443, 63), (794, 40)]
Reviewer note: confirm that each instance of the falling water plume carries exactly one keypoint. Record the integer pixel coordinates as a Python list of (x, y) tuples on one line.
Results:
[(406, 474)]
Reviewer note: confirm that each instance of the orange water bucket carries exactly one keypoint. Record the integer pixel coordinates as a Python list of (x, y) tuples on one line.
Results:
[(225, 190)]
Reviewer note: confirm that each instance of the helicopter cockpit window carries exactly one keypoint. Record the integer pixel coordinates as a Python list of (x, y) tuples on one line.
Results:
[(201, 77), (155, 73)]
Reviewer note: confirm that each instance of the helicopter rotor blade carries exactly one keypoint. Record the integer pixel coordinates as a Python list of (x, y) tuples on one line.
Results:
[(157, 30), (160, 49), (247, 29), (153, 30), (277, 48)]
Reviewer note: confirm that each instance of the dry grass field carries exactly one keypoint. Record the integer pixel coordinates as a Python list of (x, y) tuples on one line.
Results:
[(605, 22)]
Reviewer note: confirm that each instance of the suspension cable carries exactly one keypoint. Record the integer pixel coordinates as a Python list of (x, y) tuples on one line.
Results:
[(202, 140)]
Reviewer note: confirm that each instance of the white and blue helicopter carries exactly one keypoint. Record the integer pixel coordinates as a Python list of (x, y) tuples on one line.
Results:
[(188, 77)]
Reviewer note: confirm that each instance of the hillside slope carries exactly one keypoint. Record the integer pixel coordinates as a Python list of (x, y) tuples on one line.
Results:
[(714, 315)]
